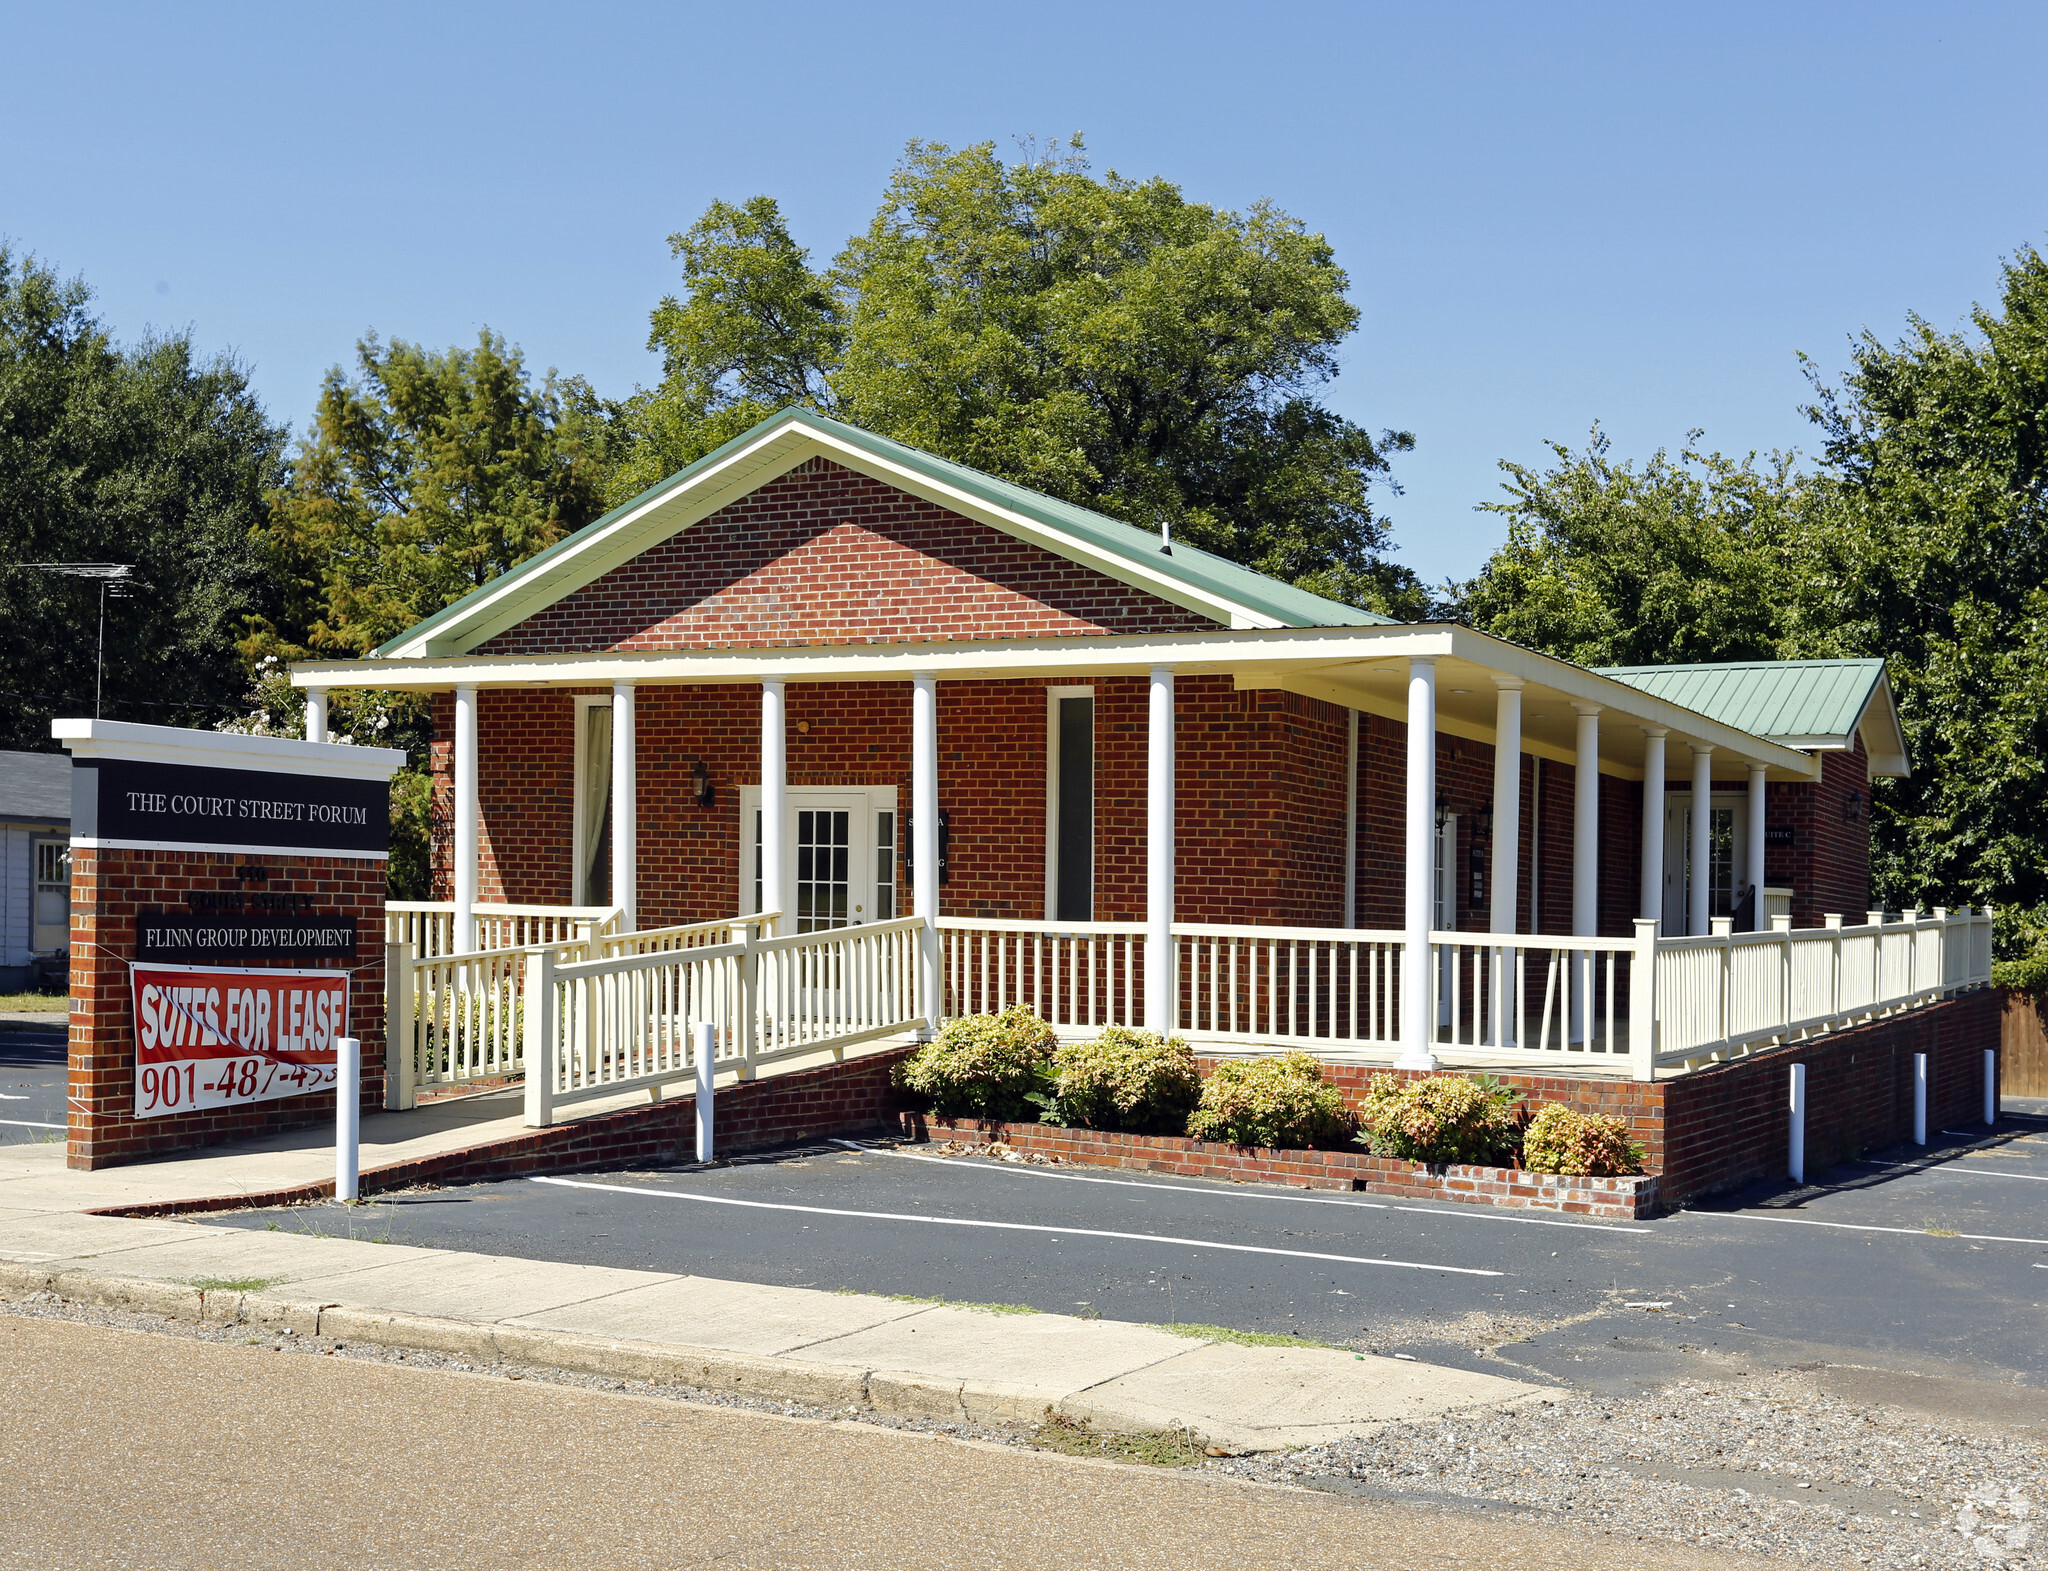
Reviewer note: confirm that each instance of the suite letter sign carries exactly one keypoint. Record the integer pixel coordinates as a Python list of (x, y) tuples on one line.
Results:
[(210, 1037)]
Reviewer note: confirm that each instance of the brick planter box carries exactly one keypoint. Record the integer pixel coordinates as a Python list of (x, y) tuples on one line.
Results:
[(1608, 1198)]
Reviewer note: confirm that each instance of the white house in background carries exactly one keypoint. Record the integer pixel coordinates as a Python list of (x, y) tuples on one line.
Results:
[(35, 866)]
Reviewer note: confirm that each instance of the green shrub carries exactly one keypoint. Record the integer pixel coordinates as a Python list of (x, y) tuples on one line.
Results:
[(1439, 1118), (982, 1065), (1270, 1102), (1135, 1081), (1561, 1139)]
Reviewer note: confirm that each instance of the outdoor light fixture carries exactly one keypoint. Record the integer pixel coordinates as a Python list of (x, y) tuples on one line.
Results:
[(700, 783), (1443, 812), (1852, 810)]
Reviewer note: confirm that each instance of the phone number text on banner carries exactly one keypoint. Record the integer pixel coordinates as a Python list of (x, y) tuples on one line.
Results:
[(208, 1037)]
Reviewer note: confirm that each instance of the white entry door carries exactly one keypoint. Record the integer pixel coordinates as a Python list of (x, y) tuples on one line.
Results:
[(839, 856), (53, 896), (1727, 836)]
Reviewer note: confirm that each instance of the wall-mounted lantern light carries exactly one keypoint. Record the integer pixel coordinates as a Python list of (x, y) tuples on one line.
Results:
[(700, 783), (1852, 809), (1443, 811)]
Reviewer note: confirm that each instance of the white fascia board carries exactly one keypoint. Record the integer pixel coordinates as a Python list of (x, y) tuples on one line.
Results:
[(157, 744), (518, 595), (1220, 652), (1632, 702), (1035, 532)]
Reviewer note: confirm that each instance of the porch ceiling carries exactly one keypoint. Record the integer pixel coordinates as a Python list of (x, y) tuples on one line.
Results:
[(1364, 668)]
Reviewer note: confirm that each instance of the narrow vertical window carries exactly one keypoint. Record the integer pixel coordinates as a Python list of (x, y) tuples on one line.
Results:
[(885, 867), (1071, 837), (593, 837)]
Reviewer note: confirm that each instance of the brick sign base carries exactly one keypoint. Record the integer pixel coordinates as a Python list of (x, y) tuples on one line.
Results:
[(109, 889)]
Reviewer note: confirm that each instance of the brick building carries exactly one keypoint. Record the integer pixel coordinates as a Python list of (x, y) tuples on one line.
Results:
[(817, 667)]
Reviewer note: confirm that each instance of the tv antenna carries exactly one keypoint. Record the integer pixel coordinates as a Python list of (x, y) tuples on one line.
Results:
[(117, 576)]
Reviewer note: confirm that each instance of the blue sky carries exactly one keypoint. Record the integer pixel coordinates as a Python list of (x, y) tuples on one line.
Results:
[(1550, 215)]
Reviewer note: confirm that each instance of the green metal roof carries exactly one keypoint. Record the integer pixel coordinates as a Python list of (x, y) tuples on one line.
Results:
[(1202, 570), (1780, 699)]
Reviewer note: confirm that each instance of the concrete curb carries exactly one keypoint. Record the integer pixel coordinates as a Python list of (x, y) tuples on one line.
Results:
[(838, 1387)]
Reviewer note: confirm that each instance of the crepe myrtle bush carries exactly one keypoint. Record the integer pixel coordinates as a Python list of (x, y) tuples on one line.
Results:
[(1135, 1081), (1562, 1139), (1440, 1118), (983, 1065), (1280, 1102)]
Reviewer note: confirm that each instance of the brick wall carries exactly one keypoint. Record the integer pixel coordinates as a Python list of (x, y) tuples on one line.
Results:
[(825, 555), (108, 889)]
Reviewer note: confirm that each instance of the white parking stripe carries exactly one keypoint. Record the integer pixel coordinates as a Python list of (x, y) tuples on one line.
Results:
[(1478, 1213), (1864, 1227), (22, 1123), (1018, 1227)]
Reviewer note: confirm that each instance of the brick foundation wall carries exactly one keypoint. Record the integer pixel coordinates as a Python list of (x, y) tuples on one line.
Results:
[(109, 888)]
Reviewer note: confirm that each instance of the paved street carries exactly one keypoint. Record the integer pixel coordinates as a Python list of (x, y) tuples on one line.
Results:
[(131, 1450), (1863, 1267), (31, 1080)]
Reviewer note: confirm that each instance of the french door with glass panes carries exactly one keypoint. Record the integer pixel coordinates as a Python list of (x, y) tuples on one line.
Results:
[(1727, 835), (838, 860)]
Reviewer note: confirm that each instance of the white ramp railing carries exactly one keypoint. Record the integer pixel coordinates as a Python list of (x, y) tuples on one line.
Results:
[(428, 926), (1727, 993)]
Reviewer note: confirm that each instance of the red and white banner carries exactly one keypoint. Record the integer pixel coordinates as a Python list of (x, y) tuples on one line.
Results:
[(210, 1037)]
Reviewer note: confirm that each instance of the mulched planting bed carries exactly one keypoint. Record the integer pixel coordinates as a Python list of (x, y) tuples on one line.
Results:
[(1624, 1199)]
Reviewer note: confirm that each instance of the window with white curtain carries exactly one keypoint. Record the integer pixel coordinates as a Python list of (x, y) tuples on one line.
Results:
[(593, 837)]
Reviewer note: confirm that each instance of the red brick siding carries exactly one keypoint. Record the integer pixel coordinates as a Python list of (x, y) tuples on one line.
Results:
[(825, 555), (108, 889)]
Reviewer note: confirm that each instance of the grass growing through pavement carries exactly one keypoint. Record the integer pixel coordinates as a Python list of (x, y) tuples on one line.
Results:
[(1242, 1338), (233, 1284), (946, 1303), (1153, 1447)]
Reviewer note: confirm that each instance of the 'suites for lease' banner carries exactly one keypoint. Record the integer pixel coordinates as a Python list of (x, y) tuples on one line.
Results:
[(211, 1037)]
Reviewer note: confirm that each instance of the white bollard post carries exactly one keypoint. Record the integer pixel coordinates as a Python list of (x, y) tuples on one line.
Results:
[(1991, 1086), (707, 1049), (348, 1112), (1919, 1099), (1797, 1153)]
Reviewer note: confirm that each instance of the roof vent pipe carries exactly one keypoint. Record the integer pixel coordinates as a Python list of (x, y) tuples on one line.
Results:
[(1165, 539)]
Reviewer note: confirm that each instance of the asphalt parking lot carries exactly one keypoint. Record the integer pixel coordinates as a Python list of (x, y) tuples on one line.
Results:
[(32, 1082), (1931, 1261)]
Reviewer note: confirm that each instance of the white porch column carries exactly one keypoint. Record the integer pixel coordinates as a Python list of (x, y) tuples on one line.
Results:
[(1417, 1026), (316, 714), (1162, 982), (1351, 821), (1585, 858), (774, 796), (1755, 848), (1507, 846), (625, 810), (924, 830), (466, 815), (1651, 908), (1698, 883), (1586, 824)]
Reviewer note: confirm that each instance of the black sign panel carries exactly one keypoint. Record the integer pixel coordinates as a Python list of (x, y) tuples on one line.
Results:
[(186, 804), (1778, 835), (257, 935)]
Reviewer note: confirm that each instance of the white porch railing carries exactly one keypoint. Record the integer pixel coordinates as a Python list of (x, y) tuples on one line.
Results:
[(575, 1025), (1308, 987), (1543, 998), (1077, 976), (428, 926)]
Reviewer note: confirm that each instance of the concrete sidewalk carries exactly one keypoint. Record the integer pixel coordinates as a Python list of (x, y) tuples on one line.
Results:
[(33, 1177), (833, 1350)]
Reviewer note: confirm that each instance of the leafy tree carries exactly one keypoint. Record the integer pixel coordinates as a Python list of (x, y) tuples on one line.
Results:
[(424, 477), (151, 456), (1937, 458), (1104, 341), (1921, 538), (1682, 560)]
